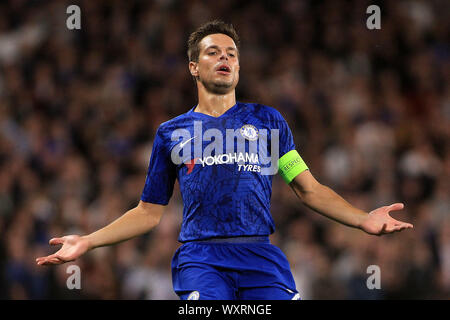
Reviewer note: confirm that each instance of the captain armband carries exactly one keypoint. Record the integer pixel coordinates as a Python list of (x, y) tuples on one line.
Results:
[(290, 165)]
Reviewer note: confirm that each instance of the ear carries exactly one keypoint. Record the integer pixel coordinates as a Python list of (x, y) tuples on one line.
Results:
[(193, 68)]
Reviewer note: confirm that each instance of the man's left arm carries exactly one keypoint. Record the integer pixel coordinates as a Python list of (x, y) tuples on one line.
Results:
[(325, 201)]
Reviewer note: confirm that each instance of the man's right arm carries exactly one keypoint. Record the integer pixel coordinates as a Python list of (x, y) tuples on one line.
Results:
[(134, 222), (139, 220)]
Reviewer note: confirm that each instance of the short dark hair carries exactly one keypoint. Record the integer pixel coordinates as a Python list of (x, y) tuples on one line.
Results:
[(211, 27)]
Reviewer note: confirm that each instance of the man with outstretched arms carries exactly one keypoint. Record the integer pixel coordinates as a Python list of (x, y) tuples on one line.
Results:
[(224, 154)]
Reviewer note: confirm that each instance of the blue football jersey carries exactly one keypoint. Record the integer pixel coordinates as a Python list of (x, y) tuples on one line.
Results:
[(224, 166)]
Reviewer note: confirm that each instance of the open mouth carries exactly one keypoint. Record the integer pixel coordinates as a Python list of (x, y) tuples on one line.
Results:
[(223, 69)]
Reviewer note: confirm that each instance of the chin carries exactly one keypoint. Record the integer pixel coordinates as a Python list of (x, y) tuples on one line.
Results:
[(221, 90), (219, 87)]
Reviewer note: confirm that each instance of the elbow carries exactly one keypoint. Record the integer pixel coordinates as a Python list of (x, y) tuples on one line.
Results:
[(307, 195), (152, 214), (153, 221), (306, 187), (154, 218)]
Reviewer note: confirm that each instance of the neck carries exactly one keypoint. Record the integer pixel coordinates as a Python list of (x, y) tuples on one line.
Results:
[(215, 104)]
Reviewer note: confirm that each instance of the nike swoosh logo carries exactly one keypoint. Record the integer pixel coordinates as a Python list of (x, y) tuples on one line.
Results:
[(190, 165), (184, 142)]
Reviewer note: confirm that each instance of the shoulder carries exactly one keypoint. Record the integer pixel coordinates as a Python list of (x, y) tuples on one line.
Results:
[(265, 112), (166, 128), (175, 122)]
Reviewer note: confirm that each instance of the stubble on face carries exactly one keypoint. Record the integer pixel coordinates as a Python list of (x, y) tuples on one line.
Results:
[(217, 86)]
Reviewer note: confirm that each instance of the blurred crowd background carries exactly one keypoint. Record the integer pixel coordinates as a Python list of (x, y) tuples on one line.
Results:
[(369, 109)]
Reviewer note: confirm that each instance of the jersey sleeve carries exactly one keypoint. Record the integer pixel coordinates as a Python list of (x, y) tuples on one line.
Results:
[(286, 139), (290, 162), (161, 173)]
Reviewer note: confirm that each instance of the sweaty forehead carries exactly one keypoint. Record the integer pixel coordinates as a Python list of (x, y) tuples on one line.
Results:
[(217, 39)]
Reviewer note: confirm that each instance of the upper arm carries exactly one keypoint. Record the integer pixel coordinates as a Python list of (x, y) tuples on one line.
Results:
[(161, 173)]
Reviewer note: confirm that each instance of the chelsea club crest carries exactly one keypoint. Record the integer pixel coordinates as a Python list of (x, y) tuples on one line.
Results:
[(249, 132)]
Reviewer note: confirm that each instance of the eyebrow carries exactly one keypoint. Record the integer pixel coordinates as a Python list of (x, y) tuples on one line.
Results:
[(217, 47)]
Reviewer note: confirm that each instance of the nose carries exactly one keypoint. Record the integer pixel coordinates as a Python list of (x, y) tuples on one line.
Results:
[(223, 55)]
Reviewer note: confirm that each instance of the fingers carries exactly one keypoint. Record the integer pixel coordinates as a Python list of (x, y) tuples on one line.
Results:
[(383, 229), (396, 206), (402, 224), (56, 241), (406, 226), (49, 260), (396, 228), (398, 225)]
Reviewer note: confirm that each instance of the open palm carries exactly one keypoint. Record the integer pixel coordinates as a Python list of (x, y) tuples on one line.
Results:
[(73, 246), (379, 222)]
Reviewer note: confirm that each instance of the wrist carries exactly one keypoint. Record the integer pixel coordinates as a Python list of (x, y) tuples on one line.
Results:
[(89, 241), (361, 219)]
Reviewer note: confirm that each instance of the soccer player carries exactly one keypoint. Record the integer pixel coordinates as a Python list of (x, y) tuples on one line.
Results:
[(218, 151)]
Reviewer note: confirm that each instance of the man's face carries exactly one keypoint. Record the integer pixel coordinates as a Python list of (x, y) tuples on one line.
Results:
[(218, 65)]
